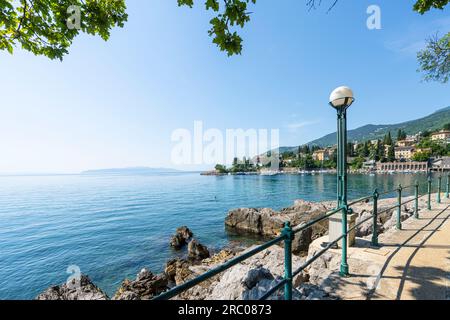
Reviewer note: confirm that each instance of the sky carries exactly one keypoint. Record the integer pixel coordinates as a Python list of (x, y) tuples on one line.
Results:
[(117, 103)]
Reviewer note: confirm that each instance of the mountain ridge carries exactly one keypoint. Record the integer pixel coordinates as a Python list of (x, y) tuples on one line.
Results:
[(434, 121)]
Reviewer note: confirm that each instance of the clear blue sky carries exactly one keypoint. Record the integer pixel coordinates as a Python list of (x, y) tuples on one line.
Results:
[(116, 103)]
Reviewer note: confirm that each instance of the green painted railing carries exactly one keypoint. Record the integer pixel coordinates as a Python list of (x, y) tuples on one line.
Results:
[(288, 233)]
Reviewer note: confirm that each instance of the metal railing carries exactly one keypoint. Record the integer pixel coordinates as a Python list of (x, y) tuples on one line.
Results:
[(288, 233)]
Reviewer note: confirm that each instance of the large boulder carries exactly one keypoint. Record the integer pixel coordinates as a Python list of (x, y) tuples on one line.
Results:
[(244, 282), (76, 289), (181, 237), (267, 222), (258, 221), (145, 287), (366, 228), (197, 251), (253, 277), (392, 222)]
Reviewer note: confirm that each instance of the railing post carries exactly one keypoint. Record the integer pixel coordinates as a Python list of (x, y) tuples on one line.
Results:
[(344, 265), (416, 203), (439, 189), (288, 237), (399, 209), (375, 219), (447, 193), (429, 193)]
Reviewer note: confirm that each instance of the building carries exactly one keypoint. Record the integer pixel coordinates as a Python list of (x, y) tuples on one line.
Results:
[(443, 135), (370, 165), (402, 166), (441, 164), (321, 155), (408, 142), (404, 153)]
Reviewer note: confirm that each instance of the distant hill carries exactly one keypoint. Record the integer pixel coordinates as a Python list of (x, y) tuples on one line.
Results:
[(134, 170), (434, 121)]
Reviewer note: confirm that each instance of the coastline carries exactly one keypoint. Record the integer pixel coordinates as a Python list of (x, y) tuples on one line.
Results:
[(294, 171), (179, 270)]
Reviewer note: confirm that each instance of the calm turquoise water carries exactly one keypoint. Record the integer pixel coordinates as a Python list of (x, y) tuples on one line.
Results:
[(112, 226)]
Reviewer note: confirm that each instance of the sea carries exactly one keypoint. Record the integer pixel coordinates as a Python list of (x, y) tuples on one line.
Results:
[(110, 226)]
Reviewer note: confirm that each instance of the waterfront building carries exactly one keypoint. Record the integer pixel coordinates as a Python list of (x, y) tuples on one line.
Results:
[(402, 166), (441, 164), (370, 165), (404, 153)]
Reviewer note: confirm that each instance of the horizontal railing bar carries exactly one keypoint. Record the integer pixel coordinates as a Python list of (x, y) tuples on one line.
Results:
[(305, 226), (360, 200), (387, 192), (360, 223), (273, 290), (396, 206), (215, 271), (316, 256), (227, 265), (411, 200), (407, 187), (388, 209)]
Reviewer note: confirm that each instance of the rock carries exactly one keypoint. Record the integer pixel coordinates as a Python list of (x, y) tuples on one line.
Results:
[(248, 280), (313, 292), (177, 271), (302, 240), (392, 222), (243, 282), (220, 257), (250, 220), (197, 251), (366, 228), (302, 278), (82, 289), (182, 235), (325, 265), (145, 287), (253, 277), (184, 274), (267, 222)]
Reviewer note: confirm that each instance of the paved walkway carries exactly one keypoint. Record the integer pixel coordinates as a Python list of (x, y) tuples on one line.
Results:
[(420, 269), (411, 264)]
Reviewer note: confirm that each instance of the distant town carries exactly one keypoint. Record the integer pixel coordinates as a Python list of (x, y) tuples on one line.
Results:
[(421, 152)]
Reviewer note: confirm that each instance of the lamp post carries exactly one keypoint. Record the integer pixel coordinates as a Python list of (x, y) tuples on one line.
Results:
[(341, 99)]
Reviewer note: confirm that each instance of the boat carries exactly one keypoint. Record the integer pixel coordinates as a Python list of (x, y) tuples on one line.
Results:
[(268, 173)]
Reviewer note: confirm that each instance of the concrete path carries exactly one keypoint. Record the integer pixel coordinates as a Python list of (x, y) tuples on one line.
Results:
[(420, 268), (411, 264)]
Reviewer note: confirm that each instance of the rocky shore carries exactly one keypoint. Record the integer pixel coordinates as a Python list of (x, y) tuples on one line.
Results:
[(249, 279)]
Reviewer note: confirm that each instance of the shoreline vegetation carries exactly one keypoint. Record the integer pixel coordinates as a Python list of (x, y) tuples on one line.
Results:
[(246, 281), (295, 171), (365, 157)]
